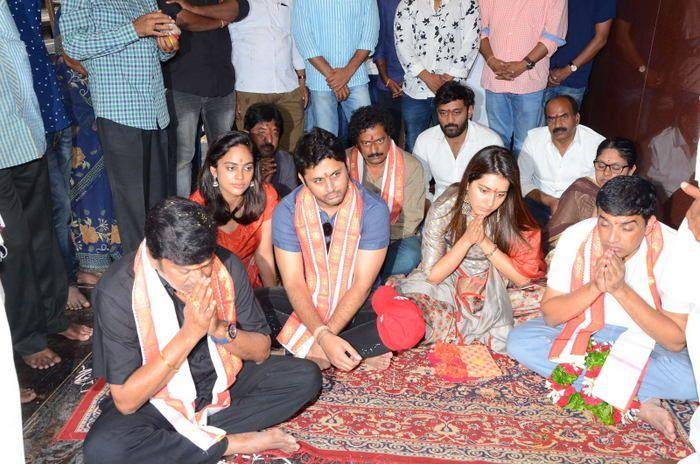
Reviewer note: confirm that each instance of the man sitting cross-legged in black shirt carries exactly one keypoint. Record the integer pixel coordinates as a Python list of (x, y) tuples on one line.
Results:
[(184, 347)]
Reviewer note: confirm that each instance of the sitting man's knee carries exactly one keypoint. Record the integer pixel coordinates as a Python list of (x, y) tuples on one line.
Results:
[(310, 379), (514, 343), (103, 446)]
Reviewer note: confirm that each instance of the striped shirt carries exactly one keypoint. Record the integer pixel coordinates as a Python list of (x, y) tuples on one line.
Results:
[(334, 29), (21, 128), (513, 28), (126, 82)]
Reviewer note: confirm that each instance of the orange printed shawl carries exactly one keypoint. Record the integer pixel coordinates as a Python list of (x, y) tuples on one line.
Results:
[(393, 179), (328, 272), (156, 324)]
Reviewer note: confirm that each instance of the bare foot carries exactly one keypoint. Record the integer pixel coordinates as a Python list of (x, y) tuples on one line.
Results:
[(77, 332), (658, 417), (88, 278), (257, 442), (379, 363), (76, 299), (26, 395), (42, 359)]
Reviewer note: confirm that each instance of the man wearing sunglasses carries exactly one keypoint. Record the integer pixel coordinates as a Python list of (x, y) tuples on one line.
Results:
[(553, 157), (330, 237)]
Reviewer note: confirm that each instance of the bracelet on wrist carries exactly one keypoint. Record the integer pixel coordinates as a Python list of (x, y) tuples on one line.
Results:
[(320, 329)]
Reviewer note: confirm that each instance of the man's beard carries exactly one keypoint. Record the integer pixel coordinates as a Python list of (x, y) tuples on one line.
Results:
[(453, 130)]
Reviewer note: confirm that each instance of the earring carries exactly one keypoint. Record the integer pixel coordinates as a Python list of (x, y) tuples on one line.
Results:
[(215, 184), (466, 207)]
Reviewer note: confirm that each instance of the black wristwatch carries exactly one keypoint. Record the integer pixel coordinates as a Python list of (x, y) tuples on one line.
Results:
[(232, 331), (530, 63)]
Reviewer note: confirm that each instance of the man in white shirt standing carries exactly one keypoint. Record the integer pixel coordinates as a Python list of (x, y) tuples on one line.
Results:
[(269, 69), (553, 157), (612, 280), (434, 46), (446, 149)]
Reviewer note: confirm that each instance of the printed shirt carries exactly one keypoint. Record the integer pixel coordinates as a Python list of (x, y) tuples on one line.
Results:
[(21, 128), (265, 56), (27, 16), (514, 27), (335, 30), (126, 82), (445, 41)]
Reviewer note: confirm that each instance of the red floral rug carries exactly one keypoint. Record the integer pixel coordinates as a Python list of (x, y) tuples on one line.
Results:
[(406, 414)]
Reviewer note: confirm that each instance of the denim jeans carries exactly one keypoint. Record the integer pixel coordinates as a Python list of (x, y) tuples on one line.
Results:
[(402, 257), (418, 114), (511, 115), (669, 374), (59, 153), (217, 113), (576, 94), (324, 106)]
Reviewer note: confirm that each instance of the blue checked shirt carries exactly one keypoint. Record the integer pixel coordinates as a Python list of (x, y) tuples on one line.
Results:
[(21, 128), (126, 81), (334, 29)]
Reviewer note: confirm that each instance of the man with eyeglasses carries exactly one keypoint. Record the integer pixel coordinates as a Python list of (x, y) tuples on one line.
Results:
[(330, 237), (553, 157), (383, 168)]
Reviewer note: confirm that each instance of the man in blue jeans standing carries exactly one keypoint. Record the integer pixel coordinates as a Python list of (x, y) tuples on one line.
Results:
[(570, 67), (517, 48), (335, 37)]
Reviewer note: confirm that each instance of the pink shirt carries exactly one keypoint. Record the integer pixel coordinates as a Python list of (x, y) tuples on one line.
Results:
[(513, 28)]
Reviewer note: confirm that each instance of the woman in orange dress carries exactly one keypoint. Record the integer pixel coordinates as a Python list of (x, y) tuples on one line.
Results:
[(229, 187)]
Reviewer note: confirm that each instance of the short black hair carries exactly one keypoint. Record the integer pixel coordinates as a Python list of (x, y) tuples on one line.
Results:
[(315, 146), (568, 98), (263, 112), (366, 118), (180, 230), (627, 196), (453, 90), (625, 147)]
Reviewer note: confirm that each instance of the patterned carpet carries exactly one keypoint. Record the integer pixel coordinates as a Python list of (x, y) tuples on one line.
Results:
[(406, 414)]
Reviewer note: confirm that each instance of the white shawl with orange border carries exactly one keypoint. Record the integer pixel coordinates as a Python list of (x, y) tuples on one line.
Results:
[(157, 324)]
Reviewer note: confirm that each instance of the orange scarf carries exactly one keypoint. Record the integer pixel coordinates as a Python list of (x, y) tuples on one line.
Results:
[(393, 179), (328, 272), (156, 324), (572, 342)]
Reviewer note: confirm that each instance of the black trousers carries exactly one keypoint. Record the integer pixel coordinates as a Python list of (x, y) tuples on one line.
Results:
[(361, 331), (32, 274), (262, 395), (137, 168)]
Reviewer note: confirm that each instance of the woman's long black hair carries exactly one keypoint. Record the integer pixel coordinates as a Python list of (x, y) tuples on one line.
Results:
[(253, 200)]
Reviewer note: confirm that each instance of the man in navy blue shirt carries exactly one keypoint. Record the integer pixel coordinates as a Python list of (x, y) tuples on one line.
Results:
[(385, 87), (570, 67)]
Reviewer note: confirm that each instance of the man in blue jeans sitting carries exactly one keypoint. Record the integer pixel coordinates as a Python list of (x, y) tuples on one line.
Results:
[(383, 168), (335, 38), (611, 280)]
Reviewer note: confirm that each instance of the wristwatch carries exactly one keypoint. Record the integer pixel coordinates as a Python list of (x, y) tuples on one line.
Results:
[(530, 63), (231, 334), (573, 67)]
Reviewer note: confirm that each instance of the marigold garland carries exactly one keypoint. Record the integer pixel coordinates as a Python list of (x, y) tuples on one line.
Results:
[(562, 392)]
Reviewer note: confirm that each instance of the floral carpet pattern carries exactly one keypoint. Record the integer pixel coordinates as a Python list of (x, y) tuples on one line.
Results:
[(406, 414)]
